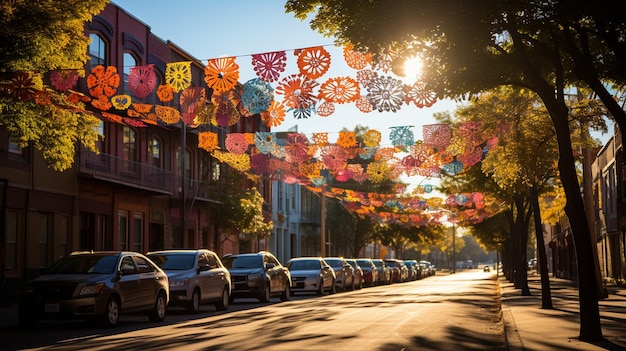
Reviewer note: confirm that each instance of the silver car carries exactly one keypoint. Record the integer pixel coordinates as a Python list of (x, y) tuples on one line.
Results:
[(343, 271), (196, 277), (311, 274)]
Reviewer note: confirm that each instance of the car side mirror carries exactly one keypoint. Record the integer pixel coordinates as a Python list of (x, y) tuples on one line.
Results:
[(269, 265), (203, 268)]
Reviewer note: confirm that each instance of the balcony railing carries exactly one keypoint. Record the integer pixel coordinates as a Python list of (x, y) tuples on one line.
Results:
[(117, 170)]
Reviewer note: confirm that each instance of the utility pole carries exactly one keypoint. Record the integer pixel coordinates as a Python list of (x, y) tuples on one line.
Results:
[(453, 248), (323, 226)]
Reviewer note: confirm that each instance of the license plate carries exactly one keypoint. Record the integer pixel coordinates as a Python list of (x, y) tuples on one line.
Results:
[(52, 308)]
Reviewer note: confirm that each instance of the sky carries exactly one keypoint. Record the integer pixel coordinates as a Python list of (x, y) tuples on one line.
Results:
[(216, 28)]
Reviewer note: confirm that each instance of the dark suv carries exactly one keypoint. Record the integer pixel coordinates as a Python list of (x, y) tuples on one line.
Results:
[(258, 275)]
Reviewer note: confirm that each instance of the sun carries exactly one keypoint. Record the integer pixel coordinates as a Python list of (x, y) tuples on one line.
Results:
[(412, 69)]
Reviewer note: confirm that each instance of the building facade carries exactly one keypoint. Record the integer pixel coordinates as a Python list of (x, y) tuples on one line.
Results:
[(146, 188), (609, 191)]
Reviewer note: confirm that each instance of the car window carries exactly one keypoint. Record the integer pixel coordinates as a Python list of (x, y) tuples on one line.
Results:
[(303, 265), (143, 266), (335, 263), (242, 261), (173, 262), (85, 264), (363, 263), (127, 266), (274, 260), (203, 261), (212, 260)]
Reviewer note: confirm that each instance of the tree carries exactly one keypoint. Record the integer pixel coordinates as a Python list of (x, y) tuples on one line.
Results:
[(238, 209), (469, 47), (37, 37)]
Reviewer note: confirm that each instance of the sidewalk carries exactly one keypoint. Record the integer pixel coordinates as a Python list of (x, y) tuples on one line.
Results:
[(530, 328)]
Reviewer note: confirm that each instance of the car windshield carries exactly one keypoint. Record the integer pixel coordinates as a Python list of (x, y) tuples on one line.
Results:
[(378, 263), (363, 263), (174, 262), (85, 264), (303, 265), (242, 261), (334, 263), (352, 263)]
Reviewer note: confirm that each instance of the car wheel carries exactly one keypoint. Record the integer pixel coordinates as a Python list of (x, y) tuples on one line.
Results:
[(286, 295), (320, 291), (333, 288), (111, 312), (194, 304), (224, 302), (360, 286), (158, 311), (266, 294)]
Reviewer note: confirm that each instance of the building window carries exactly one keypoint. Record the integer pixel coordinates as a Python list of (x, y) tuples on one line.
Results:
[(97, 51), (63, 234), (137, 232), (122, 230), (41, 228), (188, 166), (14, 148), (100, 129), (156, 152), (12, 228), (129, 62), (130, 148)]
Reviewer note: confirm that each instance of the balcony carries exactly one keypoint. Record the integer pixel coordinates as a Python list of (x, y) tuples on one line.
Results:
[(117, 170), (114, 169)]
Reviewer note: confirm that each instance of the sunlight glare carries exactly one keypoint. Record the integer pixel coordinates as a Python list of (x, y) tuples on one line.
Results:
[(412, 69)]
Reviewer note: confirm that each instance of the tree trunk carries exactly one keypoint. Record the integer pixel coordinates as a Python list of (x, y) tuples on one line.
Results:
[(546, 296), (522, 230), (590, 327)]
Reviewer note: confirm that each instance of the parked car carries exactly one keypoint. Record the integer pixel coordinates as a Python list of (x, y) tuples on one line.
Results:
[(429, 267), (414, 269), (358, 273), (370, 271), (384, 272), (398, 269), (196, 277), (343, 271), (311, 274), (258, 275), (96, 285)]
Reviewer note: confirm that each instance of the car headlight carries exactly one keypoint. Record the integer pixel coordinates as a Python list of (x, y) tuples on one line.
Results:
[(29, 290), (179, 282), (255, 276), (91, 289)]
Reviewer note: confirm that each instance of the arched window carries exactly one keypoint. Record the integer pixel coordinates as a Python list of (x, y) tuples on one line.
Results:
[(129, 61), (156, 152), (97, 51)]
